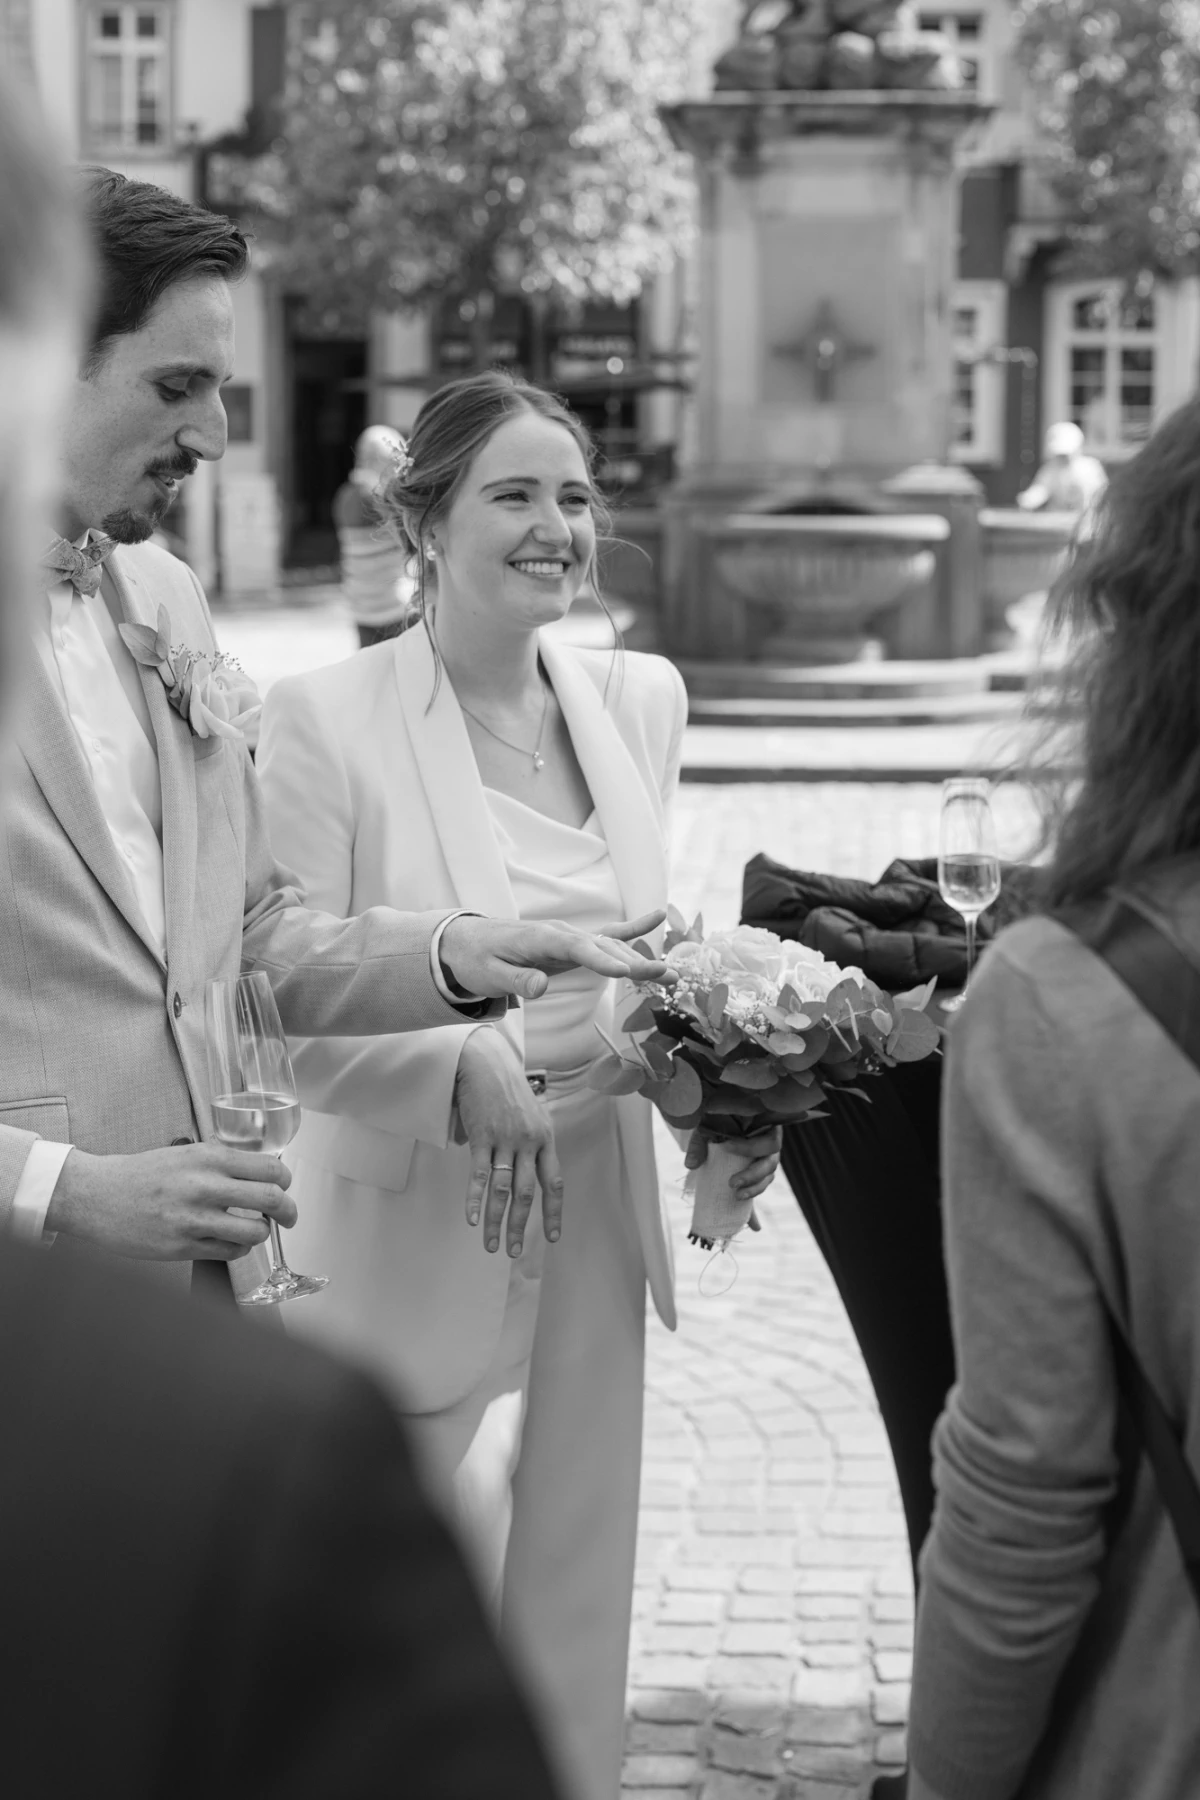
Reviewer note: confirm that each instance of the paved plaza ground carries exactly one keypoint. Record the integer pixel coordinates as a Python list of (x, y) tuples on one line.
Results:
[(773, 1608)]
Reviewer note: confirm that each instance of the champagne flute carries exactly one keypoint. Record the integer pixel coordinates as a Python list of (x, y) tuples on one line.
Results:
[(968, 866), (254, 1104)]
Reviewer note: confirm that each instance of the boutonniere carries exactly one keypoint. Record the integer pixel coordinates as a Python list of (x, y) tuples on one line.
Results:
[(208, 689)]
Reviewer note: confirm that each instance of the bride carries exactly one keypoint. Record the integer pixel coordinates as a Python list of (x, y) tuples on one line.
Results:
[(476, 763)]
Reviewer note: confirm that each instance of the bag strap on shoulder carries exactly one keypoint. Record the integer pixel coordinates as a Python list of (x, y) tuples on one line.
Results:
[(1166, 983)]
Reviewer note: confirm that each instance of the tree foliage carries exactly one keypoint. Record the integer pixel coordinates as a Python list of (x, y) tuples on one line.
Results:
[(432, 147), (1116, 95)]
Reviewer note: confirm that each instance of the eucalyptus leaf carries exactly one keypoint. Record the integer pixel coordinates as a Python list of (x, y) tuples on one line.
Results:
[(754, 1075), (642, 1018), (847, 993), (915, 1036), (786, 1043), (791, 1102), (143, 645), (612, 1075), (683, 1094), (661, 1065), (676, 921), (716, 1003), (916, 999)]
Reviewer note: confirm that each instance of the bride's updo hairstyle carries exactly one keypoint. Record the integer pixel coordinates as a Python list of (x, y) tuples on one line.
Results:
[(451, 429)]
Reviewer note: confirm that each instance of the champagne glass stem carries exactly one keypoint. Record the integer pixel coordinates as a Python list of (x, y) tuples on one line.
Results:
[(971, 921), (278, 1262)]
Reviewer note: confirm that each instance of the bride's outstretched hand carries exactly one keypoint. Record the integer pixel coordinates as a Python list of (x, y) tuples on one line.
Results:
[(484, 958)]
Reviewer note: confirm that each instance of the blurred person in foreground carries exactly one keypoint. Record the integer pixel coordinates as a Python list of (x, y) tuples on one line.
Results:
[(219, 1576), (375, 583), (1068, 480), (1058, 1640), (137, 865)]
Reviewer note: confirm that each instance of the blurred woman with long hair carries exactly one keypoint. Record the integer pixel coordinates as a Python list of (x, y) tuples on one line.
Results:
[(1058, 1642)]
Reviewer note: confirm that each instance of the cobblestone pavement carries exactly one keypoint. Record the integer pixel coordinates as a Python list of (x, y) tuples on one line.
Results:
[(773, 1609)]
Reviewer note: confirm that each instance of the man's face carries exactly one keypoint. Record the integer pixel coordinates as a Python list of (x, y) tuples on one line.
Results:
[(150, 411)]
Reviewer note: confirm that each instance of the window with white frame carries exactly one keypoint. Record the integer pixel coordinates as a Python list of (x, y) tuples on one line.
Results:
[(967, 29), (980, 321), (127, 76), (1106, 356)]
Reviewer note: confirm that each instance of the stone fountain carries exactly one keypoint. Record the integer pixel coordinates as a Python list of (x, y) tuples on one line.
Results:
[(819, 514)]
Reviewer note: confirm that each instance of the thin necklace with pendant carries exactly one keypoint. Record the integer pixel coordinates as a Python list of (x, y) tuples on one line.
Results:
[(539, 761)]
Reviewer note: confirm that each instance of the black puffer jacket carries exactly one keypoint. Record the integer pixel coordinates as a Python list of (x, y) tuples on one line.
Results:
[(898, 929)]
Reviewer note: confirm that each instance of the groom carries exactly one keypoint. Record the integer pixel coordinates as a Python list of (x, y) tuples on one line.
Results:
[(135, 866)]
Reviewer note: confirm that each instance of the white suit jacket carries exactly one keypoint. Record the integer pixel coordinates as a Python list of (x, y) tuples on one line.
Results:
[(374, 797), (101, 1038)]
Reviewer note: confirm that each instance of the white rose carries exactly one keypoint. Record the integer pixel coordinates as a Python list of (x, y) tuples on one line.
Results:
[(749, 948), (811, 975), (696, 961)]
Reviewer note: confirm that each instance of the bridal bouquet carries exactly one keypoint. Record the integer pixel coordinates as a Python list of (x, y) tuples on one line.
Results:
[(753, 1034)]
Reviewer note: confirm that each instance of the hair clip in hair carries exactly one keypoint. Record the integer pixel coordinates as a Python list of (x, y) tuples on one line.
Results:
[(402, 462)]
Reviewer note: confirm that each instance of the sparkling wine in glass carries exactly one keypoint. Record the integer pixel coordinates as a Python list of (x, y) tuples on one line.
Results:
[(254, 1104), (968, 866)]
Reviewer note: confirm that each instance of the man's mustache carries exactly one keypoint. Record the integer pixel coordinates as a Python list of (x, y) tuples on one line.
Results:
[(183, 464)]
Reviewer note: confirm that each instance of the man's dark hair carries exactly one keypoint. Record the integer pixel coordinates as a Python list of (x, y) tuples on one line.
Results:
[(145, 240)]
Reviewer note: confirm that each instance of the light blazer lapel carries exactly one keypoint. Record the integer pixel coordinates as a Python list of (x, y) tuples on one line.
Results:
[(627, 808), (446, 764), (176, 769), (50, 747)]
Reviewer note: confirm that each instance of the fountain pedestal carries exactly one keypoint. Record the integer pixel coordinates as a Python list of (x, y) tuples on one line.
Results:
[(829, 225)]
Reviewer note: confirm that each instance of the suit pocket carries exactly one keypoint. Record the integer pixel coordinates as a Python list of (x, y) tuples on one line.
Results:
[(49, 1117)]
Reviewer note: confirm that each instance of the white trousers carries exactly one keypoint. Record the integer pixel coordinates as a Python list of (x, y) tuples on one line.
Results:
[(540, 1463)]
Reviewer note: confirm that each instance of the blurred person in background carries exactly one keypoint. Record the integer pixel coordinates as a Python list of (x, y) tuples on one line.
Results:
[(1058, 1639), (375, 584), (1068, 480), (219, 1574)]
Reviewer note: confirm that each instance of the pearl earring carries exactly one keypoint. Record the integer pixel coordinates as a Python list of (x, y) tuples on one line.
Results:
[(430, 553)]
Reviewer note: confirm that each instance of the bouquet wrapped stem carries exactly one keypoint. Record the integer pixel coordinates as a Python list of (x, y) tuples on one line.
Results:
[(754, 1034), (719, 1212)]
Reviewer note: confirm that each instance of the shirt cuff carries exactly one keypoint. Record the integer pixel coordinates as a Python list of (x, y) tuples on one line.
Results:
[(435, 961), (35, 1190)]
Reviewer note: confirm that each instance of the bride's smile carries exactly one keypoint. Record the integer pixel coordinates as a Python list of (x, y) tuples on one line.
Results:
[(516, 544)]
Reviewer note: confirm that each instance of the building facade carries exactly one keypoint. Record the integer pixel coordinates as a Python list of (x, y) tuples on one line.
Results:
[(1033, 346), (155, 88), (140, 88)]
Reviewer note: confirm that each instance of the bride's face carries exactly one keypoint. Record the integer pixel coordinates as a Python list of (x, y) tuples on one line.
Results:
[(519, 537)]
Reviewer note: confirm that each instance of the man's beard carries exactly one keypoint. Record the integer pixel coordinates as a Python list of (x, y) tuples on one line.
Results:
[(127, 526)]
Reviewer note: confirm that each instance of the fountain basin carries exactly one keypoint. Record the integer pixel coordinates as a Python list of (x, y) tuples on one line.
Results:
[(1023, 553), (814, 584)]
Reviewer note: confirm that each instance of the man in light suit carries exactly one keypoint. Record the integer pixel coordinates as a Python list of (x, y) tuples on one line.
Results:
[(136, 866), (219, 1574)]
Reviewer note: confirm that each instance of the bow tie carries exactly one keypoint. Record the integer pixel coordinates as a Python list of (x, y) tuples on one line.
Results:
[(80, 567)]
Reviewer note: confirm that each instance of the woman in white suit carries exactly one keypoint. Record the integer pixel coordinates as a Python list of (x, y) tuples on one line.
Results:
[(477, 763)]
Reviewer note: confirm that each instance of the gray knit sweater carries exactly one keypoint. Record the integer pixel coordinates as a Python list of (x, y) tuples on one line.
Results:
[(1046, 1668)]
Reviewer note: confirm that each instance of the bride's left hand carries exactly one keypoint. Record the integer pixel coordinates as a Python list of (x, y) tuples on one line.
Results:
[(762, 1160)]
